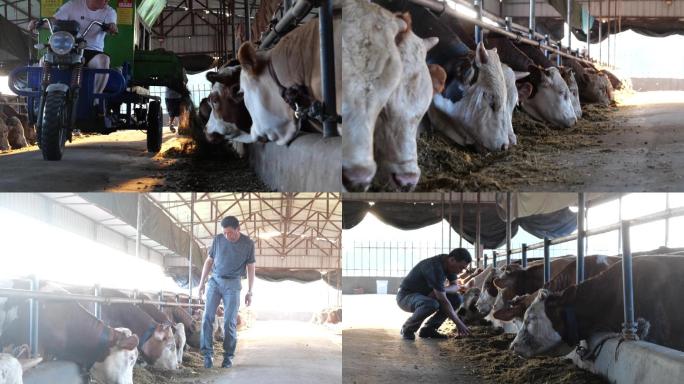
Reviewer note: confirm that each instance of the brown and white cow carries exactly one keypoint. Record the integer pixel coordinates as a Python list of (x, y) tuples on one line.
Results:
[(67, 331), (396, 129), (293, 61), (191, 327), (178, 328), (226, 117), (555, 322), (157, 343), (516, 297)]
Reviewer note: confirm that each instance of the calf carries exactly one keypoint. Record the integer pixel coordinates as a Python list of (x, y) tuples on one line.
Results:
[(191, 327), (371, 72), (396, 128), (178, 328), (267, 76), (556, 322), (588, 84), (4, 134), (15, 133)]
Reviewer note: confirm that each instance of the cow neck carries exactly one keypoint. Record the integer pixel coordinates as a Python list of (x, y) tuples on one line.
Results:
[(179, 314), (533, 279), (592, 297), (134, 318), (274, 76), (91, 328), (571, 329), (147, 335)]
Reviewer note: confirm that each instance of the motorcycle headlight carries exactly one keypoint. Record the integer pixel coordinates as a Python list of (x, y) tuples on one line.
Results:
[(62, 42)]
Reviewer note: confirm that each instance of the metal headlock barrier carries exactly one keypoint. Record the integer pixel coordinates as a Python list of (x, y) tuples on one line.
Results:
[(291, 18), (505, 26), (34, 296), (623, 226)]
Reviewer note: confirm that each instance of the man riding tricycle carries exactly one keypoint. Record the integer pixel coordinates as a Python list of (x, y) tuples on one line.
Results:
[(73, 87)]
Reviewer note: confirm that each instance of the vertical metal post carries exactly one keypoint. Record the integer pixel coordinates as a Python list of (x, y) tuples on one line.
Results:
[(581, 210), (450, 210), (460, 224), (608, 37), (477, 231), (98, 305), (524, 255), (629, 327), (547, 53), (619, 221), (34, 317), (508, 227), (532, 23), (138, 227), (325, 22), (667, 219), (600, 32), (287, 4), (477, 4), (568, 5), (248, 27), (589, 25), (509, 23), (559, 60), (485, 261), (494, 259), (161, 298), (547, 259), (192, 237), (232, 28)]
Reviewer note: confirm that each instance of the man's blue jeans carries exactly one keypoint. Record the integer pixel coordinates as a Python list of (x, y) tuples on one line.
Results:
[(227, 290), (423, 306)]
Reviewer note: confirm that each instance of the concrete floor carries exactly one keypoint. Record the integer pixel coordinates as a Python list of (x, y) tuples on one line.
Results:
[(374, 352), (284, 352), (645, 152)]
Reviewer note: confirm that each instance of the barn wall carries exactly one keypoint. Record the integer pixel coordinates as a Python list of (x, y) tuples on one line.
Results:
[(647, 8), (181, 39), (369, 284)]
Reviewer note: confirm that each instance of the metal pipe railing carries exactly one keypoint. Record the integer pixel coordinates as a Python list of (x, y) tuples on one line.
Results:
[(39, 295), (508, 227), (440, 7), (494, 259), (289, 20), (629, 327), (325, 24), (672, 212), (33, 317), (524, 255)]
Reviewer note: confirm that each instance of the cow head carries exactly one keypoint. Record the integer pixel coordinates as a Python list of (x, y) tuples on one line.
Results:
[(180, 339), (473, 109), (546, 97), (543, 325), (488, 293), (569, 77), (117, 367), (593, 89), (160, 349), (517, 308), (272, 117), (224, 111), (468, 310), (396, 129)]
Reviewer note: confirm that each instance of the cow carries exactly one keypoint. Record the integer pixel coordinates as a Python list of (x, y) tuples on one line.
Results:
[(226, 115), (468, 310), (4, 135), (67, 331), (569, 77), (157, 343), (191, 327), (588, 83), (178, 328), (516, 295), (13, 365), (396, 129), (371, 72), (15, 133), (554, 323), (267, 76)]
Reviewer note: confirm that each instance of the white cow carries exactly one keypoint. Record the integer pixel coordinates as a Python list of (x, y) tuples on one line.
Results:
[(117, 368), (546, 97), (396, 128)]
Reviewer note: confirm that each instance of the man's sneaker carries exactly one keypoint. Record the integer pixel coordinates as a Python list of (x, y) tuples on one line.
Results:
[(208, 362), (407, 335), (227, 363), (431, 333)]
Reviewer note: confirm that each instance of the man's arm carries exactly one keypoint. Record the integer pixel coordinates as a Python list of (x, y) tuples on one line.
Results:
[(111, 20), (205, 274), (445, 306), (251, 268)]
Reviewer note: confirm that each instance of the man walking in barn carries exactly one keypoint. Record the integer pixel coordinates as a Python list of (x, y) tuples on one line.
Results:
[(423, 292), (230, 256)]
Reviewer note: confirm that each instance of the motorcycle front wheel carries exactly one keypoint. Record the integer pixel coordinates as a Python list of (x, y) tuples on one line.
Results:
[(53, 131)]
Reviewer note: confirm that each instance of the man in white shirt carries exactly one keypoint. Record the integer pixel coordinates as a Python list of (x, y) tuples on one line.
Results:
[(85, 12)]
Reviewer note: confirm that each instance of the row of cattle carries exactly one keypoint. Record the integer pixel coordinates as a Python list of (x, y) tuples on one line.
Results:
[(552, 318), (466, 91), (108, 348)]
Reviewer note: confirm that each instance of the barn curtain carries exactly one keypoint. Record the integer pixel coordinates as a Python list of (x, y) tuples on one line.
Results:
[(408, 216)]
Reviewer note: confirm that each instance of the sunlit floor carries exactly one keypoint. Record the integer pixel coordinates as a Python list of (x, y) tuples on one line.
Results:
[(375, 353), (286, 352), (651, 97)]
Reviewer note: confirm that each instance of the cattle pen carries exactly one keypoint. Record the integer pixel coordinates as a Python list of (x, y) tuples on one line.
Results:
[(638, 228), (119, 299)]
